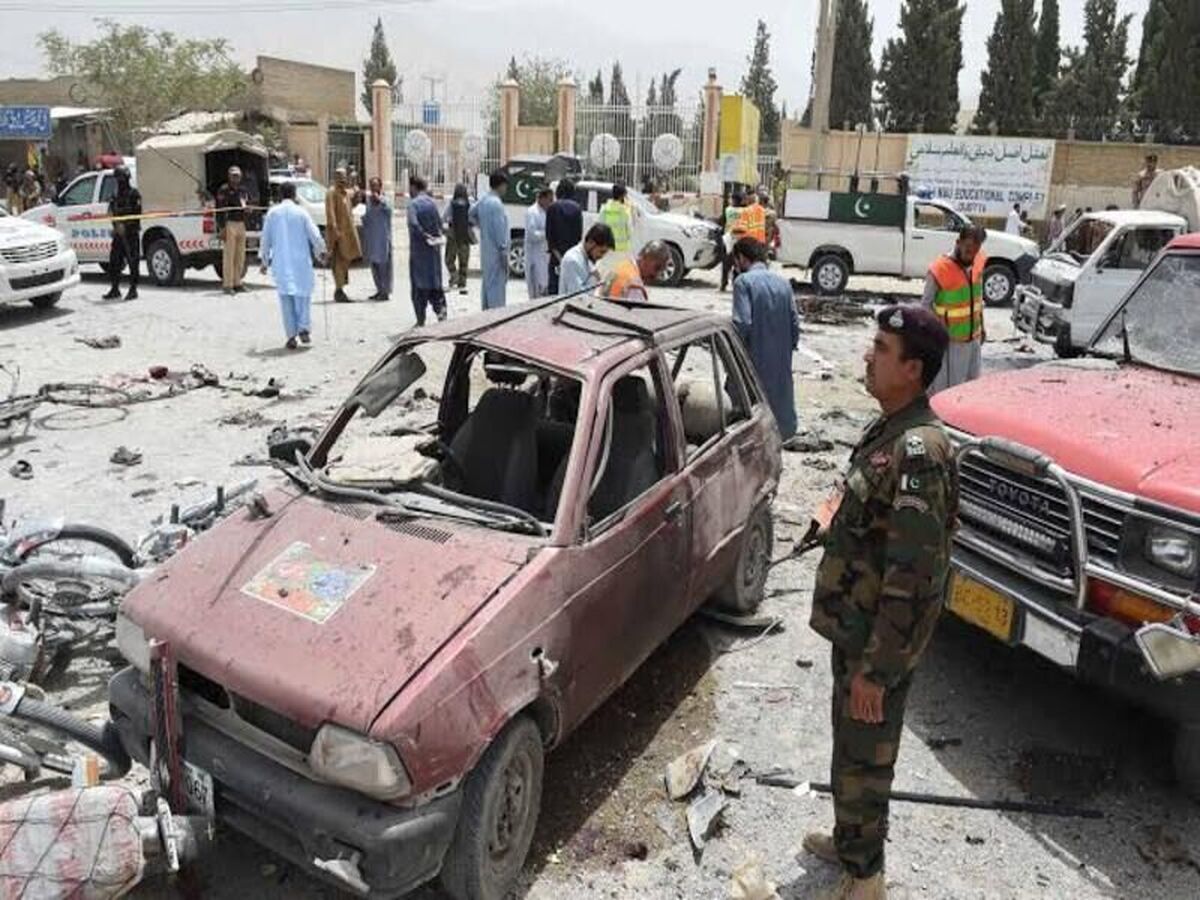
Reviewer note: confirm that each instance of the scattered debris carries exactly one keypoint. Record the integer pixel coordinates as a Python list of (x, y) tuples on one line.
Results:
[(1047, 773), (635, 850), (808, 442), (804, 663), (159, 372), (123, 456), (259, 508), (108, 342), (749, 883), (763, 686), (702, 816), (833, 311), (22, 469), (684, 772), (1163, 846), (941, 743), (975, 840), (246, 418), (142, 493), (204, 375)]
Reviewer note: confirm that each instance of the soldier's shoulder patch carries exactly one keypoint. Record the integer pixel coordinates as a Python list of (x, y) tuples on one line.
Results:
[(908, 501), (914, 445)]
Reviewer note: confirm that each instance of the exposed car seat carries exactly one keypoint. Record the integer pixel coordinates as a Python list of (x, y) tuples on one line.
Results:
[(497, 449), (633, 464)]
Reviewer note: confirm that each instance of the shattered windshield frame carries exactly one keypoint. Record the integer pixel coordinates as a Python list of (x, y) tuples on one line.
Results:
[(1158, 323)]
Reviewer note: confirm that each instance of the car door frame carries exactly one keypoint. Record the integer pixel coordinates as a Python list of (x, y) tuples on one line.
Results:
[(923, 245), (604, 552), (92, 243), (1100, 287)]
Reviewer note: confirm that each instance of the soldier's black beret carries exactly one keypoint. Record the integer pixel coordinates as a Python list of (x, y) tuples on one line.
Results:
[(917, 325)]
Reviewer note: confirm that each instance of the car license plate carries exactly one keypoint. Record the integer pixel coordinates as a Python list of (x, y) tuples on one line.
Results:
[(198, 786), (982, 606)]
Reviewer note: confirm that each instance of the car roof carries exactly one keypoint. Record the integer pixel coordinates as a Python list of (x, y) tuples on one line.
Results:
[(581, 335), (1138, 217), (1185, 242)]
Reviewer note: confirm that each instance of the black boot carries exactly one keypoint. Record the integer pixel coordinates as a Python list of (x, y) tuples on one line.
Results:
[(114, 293), (132, 293), (339, 296)]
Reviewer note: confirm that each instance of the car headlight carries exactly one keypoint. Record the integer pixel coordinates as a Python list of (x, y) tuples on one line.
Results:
[(1176, 551), (343, 757), (132, 643)]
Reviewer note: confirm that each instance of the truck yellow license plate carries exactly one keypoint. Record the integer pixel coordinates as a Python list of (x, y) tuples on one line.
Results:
[(982, 606)]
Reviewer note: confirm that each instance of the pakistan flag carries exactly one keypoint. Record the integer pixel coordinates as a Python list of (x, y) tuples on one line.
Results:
[(867, 209)]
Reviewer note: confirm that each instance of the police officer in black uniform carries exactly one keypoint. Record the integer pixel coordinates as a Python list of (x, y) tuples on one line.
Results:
[(126, 235)]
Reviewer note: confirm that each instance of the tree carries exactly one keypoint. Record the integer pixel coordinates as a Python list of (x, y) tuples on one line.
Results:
[(596, 89), (853, 69), (618, 95), (918, 73), (1088, 94), (143, 75), (538, 78), (1047, 54), (652, 94), (758, 84), (1167, 80), (1006, 98), (666, 93), (377, 65)]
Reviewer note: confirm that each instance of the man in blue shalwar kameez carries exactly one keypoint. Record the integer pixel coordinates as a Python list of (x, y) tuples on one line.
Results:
[(425, 244), (377, 240), (490, 217), (290, 239), (764, 314)]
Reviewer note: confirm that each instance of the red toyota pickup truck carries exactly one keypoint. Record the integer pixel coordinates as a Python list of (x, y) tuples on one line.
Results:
[(1079, 528)]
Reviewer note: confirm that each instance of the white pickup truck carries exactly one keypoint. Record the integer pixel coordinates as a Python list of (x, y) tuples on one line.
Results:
[(836, 235), (179, 231), (1083, 276)]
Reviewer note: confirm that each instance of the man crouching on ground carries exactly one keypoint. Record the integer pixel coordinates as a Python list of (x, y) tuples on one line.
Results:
[(879, 587)]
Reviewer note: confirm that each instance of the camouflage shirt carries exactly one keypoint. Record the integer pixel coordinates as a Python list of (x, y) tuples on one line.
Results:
[(880, 583)]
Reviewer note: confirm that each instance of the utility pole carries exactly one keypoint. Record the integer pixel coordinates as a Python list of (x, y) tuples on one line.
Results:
[(822, 88)]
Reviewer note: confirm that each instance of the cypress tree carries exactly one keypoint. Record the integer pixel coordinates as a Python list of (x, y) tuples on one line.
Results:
[(918, 73), (1047, 53), (378, 64), (853, 69), (1006, 99), (758, 84)]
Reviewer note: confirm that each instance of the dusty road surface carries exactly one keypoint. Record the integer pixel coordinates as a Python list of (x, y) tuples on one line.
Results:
[(983, 722)]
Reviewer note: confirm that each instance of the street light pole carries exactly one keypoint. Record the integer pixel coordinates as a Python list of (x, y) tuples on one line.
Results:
[(822, 88)]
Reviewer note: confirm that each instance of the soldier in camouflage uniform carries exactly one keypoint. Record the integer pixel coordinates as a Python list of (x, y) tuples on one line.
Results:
[(879, 587)]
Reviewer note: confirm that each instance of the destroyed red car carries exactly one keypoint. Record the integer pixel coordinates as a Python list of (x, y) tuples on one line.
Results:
[(1080, 512), (369, 675)]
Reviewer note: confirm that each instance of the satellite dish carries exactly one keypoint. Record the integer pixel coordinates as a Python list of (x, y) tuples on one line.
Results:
[(605, 151), (417, 145), (667, 152), (472, 146)]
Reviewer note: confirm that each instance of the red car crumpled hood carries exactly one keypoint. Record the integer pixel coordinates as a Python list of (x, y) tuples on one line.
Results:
[(1130, 428), (377, 605)]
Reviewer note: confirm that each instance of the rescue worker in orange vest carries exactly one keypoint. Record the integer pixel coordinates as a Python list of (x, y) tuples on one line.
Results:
[(734, 232), (954, 292), (628, 279)]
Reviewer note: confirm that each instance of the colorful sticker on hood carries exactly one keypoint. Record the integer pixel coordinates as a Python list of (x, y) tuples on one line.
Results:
[(302, 583)]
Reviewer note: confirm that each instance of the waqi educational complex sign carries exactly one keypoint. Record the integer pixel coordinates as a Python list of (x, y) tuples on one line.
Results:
[(982, 176)]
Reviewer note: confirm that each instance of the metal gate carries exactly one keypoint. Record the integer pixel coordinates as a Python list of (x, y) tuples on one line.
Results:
[(345, 150), (446, 143), (640, 144)]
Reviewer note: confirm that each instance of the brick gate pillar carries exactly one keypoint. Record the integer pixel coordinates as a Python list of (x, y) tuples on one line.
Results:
[(712, 120), (381, 125), (568, 94), (510, 111)]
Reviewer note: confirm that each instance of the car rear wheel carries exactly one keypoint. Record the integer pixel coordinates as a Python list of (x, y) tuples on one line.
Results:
[(999, 283), (46, 300), (516, 255), (164, 263), (830, 274), (743, 593), (675, 269), (1063, 348), (500, 808)]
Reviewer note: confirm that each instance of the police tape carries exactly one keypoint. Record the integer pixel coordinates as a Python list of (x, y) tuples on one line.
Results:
[(162, 214)]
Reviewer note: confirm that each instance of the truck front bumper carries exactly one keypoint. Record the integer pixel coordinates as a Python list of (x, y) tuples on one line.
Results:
[(25, 281), (1097, 650), (395, 850), (1036, 316)]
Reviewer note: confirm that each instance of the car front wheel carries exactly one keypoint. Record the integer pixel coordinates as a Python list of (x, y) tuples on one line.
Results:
[(164, 262), (500, 808), (742, 594), (46, 300), (672, 274), (999, 283), (516, 256)]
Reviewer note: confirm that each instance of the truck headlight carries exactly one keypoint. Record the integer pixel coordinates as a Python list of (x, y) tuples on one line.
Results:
[(1176, 551), (343, 757), (132, 643)]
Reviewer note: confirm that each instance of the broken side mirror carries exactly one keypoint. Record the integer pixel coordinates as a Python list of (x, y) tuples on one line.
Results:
[(379, 389), (1168, 651)]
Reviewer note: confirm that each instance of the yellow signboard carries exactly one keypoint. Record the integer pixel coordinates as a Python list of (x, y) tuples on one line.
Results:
[(738, 146)]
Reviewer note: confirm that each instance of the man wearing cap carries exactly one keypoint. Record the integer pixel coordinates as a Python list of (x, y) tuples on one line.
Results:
[(954, 293), (232, 200), (1054, 228), (124, 208), (879, 587)]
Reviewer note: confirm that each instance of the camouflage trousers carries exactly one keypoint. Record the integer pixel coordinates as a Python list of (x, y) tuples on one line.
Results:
[(864, 759)]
